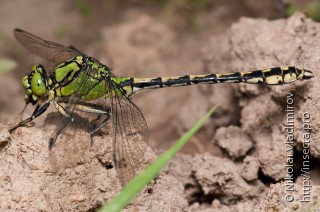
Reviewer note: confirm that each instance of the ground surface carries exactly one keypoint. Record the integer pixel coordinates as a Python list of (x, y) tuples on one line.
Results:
[(234, 163)]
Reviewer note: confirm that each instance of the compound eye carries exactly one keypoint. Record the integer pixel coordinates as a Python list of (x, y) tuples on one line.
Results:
[(37, 85)]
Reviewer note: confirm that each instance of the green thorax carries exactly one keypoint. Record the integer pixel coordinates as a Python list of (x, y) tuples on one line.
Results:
[(81, 75)]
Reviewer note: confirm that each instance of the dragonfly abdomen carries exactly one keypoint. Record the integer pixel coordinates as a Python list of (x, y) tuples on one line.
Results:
[(271, 76)]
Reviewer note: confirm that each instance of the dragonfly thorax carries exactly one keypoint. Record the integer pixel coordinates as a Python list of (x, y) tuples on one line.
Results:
[(35, 84)]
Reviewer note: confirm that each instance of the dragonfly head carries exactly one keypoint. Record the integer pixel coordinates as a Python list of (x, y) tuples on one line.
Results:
[(35, 84)]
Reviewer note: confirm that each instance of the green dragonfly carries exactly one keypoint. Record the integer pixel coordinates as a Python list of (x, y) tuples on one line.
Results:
[(87, 92)]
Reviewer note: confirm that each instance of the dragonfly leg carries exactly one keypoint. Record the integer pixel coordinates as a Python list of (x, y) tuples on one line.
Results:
[(53, 140), (97, 109), (61, 109), (97, 128), (84, 107), (37, 112), (70, 120)]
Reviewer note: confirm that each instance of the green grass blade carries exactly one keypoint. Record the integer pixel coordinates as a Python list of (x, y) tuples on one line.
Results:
[(139, 182)]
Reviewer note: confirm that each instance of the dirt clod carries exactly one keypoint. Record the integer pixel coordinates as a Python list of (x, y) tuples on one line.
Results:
[(233, 140)]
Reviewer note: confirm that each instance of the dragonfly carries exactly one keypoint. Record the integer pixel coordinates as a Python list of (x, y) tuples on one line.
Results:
[(82, 87)]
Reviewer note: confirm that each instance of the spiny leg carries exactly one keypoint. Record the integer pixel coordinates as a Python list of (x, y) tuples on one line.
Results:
[(37, 112), (97, 128), (70, 120), (53, 140), (97, 109)]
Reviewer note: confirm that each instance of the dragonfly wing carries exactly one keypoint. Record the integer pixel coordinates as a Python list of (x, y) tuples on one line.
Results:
[(130, 135), (48, 50)]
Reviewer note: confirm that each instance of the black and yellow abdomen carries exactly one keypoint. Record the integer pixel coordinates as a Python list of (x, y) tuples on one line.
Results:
[(271, 76)]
